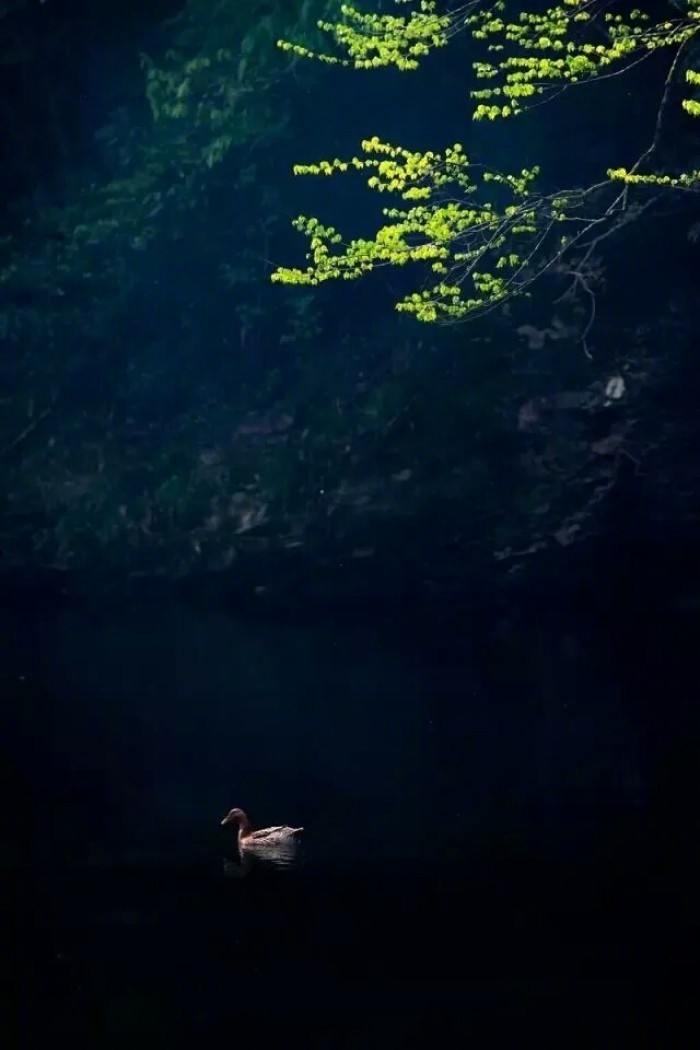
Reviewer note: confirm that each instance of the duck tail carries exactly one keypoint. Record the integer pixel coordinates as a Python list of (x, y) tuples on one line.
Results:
[(295, 831)]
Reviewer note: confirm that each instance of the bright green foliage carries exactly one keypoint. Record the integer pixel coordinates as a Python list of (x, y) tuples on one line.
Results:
[(373, 40), (470, 243), (687, 180), (691, 105), (566, 44), (480, 252)]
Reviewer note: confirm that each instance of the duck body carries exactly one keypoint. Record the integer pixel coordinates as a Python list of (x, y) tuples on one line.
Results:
[(264, 839)]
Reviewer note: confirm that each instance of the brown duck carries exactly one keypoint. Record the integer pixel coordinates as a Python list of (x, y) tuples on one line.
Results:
[(265, 838)]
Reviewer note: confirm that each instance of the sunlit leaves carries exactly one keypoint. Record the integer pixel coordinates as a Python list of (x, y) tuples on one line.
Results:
[(371, 41), (567, 43), (481, 248), (464, 234)]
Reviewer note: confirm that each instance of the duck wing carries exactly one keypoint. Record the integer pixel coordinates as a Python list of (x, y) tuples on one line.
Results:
[(266, 833)]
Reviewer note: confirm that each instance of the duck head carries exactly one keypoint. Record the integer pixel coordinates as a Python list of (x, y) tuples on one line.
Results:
[(235, 816)]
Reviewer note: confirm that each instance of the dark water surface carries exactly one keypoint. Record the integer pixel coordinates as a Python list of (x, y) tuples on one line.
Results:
[(478, 847)]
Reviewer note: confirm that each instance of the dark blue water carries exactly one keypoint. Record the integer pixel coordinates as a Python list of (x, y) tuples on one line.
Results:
[(477, 836)]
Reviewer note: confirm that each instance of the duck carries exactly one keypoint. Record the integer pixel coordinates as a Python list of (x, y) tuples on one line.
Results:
[(266, 838)]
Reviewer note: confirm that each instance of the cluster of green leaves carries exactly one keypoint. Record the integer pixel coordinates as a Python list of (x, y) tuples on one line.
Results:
[(569, 43), (372, 40), (468, 236), (484, 254)]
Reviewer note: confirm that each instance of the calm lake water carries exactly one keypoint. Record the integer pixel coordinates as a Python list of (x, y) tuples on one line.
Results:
[(476, 814)]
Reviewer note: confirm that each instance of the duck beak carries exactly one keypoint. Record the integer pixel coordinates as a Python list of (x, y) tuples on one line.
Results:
[(226, 820)]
